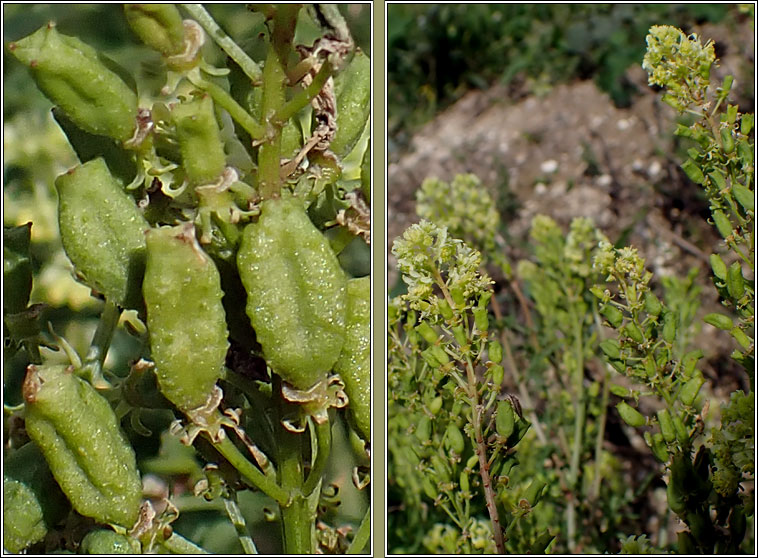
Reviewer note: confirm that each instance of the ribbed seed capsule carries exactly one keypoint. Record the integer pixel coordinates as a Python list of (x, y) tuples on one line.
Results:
[(690, 390), (352, 87), (653, 306), (744, 196), (80, 436), (722, 222), (158, 25), (295, 292), (102, 232), (735, 283), (718, 266), (185, 317), (667, 426), (718, 320), (612, 314), (197, 130), (427, 332), (105, 541), (80, 81), (455, 440), (630, 415), (505, 419), (354, 363)]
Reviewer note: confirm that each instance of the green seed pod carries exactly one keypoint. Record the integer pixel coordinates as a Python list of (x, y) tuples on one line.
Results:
[(352, 87), (427, 332), (632, 331), (651, 367), (690, 390), (105, 541), (354, 363), (440, 354), (693, 171), (746, 123), (199, 138), (630, 415), (735, 283), (505, 418), (445, 309), (159, 26), (185, 317), (718, 266), (680, 471), (454, 439), (459, 333), (366, 173), (727, 140), (80, 436), (428, 356), (689, 361), (295, 292), (653, 306), (534, 492), (655, 443), (424, 429), (744, 196), (80, 81), (17, 268), (681, 431), (456, 293), (32, 501), (498, 373), (741, 337), (719, 320), (441, 467), (667, 426), (718, 179), (722, 222), (669, 327), (102, 232), (495, 350), (429, 489), (481, 319), (619, 391), (611, 348), (464, 482), (745, 150), (435, 405)]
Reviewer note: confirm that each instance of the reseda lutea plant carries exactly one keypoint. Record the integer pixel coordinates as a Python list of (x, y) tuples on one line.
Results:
[(217, 212), (604, 353)]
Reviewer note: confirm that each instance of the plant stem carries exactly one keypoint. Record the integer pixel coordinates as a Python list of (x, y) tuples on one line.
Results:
[(225, 101), (362, 535), (305, 96), (247, 64), (296, 525), (324, 441), (579, 419), (272, 101), (238, 520), (177, 544), (101, 341), (484, 468), (251, 473), (595, 490)]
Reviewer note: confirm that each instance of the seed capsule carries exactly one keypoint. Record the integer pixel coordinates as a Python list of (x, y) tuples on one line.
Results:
[(185, 317), (102, 232), (81, 81), (296, 293), (630, 415)]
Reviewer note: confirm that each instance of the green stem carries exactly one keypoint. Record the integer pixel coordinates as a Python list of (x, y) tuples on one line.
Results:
[(238, 520), (323, 450), (251, 473), (579, 419), (177, 544), (269, 152), (101, 341), (247, 64), (595, 492), (225, 101), (305, 96), (296, 524), (362, 535)]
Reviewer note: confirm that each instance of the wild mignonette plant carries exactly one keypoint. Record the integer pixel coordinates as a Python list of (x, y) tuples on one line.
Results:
[(604, 352), (211, 218)]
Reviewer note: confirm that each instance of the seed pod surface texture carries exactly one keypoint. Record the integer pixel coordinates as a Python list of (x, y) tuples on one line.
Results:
[(185, 317), (354, 363), (75, 77), (296, 292), (102, 232), (81, 439)]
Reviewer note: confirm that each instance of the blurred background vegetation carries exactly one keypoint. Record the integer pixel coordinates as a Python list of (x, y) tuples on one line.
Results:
[(437, 52), (35, 152)]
